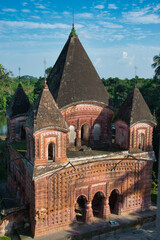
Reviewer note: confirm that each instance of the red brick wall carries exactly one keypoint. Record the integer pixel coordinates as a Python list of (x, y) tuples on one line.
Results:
[(43, 139), (55, 197), (131, 138), (122, 134), (91, 114), (14, 127), (136, 132)]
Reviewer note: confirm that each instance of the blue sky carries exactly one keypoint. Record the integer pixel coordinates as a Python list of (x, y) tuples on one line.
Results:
[(117, 35)]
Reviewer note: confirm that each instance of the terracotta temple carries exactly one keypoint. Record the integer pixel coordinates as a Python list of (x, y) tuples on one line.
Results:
[(71, 166)]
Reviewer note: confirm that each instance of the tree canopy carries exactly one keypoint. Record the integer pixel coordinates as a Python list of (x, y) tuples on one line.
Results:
[(156, 65)]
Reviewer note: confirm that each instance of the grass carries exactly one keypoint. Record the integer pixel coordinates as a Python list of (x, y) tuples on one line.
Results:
[(5, 238), (154, 193)]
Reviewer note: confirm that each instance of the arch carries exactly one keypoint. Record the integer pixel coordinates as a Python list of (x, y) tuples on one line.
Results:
[(23, 133), (51, 151), (72, 135), (96, 132), (141, 141), (98, 204), (80, 208), (114, 201), (85, 134)]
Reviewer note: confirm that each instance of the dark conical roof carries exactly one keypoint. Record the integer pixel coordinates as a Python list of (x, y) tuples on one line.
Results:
[(134, 109), (19, 104), (74, 78), (46, 113)]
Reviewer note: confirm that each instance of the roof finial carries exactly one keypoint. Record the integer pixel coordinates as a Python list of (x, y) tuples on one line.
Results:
[(73, 20), (73, 32), (19, 74), (45, 82)]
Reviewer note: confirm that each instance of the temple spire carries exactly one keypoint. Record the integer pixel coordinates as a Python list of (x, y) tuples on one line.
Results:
[(19, 69), (73, 32), (45, 81)]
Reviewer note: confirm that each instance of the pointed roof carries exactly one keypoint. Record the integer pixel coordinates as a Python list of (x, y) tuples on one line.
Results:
[(46, 113), (19, 104), (134, 109), (73, 78)]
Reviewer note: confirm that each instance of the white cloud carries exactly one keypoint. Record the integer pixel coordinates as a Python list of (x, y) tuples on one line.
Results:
[(26, 10), (36, 17), (33, 25), (40, 6), (66, 13), (110, 25), (157, 7), (118, 37), (99, 6), (84, 15), (112, 6), (24, 4), (141, 17), (124, 55), (9, 10), (140, 37)]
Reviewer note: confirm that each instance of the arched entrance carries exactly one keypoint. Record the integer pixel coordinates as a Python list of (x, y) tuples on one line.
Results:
[(23, 133), (80, 208), (84, 134), (98, 204), (51, 152), (96, 132), (114, 201), (72, 135)]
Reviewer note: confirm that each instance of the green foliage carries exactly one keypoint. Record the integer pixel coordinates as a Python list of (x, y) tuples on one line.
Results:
[(73, 32), (5, 238), (156, 65), (154, 193), (47, 71)]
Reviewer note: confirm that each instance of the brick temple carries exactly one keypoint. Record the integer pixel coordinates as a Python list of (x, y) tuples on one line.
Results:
[(70, 168)]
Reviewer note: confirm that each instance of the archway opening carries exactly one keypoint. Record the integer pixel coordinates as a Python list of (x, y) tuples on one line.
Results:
[(51, 152), (23, 133), (85, 134), (80, 208), (141, 141), (96, 132), (72, 135), (98, 204), (114, 201)]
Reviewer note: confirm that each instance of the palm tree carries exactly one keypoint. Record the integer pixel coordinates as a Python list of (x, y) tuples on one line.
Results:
[(156, 65)]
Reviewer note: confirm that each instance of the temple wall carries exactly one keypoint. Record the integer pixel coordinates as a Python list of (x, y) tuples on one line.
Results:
[(89, 114), (56, 195), (15, 128), (42, 141), (141, 137)]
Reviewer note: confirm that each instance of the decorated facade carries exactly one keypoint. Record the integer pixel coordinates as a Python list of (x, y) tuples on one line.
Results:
[(69, 170)]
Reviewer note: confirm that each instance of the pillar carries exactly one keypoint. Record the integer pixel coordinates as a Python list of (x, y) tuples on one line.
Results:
[(89, 212)]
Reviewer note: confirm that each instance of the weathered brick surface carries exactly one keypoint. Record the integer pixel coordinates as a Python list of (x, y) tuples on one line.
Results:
[(91, 114), (56, 196), (135, 138)]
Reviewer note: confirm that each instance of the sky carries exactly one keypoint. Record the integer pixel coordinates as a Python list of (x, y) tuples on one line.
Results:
[(120, 37)]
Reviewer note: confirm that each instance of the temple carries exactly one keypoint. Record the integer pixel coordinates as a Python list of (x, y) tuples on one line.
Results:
[(69, 168)]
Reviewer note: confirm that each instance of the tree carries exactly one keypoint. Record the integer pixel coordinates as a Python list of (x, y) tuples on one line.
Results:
[(48, 70), (156, 65), (5, 83)]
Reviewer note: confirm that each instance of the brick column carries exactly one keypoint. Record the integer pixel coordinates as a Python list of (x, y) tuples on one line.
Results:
[(78, 142), (106, 208), (89, 212)]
